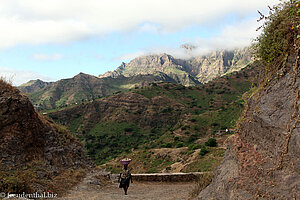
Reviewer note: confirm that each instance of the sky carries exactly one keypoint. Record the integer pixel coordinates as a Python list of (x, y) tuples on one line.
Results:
[(55, 39)]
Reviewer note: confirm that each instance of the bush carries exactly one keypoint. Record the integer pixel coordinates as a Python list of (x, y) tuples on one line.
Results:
[(192, 138), (194, 146), (185, 127), (168, 145), (211, 142), (179, 145), (166, 110), (193, 120), (128, 129), (280, 32), (203, 151)]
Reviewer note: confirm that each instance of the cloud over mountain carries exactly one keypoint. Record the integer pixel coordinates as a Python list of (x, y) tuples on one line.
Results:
[(55, 21)]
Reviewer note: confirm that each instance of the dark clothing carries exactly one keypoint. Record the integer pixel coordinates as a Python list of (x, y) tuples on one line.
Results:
[(124, 182)]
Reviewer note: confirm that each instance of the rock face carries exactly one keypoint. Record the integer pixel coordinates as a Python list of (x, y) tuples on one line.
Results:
[(27, 138), (263, 159), (218, 63), (186, 72), (152, 64)]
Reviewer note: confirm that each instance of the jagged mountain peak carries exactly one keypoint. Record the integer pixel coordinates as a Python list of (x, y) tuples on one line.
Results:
[(201, 68)]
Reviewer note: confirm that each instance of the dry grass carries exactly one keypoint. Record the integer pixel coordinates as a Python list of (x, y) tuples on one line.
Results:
[(6, 85), (201, 183), (66, 180)]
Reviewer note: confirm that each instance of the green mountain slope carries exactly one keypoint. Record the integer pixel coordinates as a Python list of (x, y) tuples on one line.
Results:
[(82, 88), (157, 116)]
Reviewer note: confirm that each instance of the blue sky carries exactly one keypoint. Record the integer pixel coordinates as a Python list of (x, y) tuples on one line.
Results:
[(51, 40)]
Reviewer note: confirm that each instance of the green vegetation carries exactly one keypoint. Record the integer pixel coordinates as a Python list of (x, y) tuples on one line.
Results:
[(211, 142), (203, 151), (107, 140), (157, 160), (202, 182), (280, 32), (207, 162), (17, 180), (174, 117)]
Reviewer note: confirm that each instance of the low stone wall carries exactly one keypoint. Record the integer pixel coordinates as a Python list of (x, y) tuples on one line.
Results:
[(168, 177)]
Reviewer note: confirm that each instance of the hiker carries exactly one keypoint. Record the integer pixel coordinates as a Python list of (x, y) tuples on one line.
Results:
[(125, 176)]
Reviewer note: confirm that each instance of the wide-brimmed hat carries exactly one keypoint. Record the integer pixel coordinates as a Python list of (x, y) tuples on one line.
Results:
[(125, 161)]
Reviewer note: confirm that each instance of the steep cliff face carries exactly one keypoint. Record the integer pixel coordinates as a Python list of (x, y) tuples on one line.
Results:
[(30, 141), (208, 67), (152, 64), (263, 159), (186, 72)]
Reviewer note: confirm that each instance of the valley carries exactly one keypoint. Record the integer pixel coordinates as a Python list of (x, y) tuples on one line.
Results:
[(161, 116)]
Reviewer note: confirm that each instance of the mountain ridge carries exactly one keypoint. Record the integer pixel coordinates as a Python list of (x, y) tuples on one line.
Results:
[(201, 68), (140, 72)]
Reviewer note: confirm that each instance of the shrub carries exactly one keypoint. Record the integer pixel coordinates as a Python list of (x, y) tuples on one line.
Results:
[(128, 129), (185, 127), (211, 142), (186, 132), (193, 120), (194, 146), (192, 138), (166, 110), (203, 151), (280, 32), (179, 145), (168, 145)]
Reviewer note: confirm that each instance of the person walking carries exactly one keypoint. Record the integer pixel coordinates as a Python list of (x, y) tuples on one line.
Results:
[(125, 176)]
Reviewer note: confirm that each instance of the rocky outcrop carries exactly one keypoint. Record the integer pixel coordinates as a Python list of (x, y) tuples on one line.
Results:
[(263, 159), (218, 63), (152, 64), (186, 72), (28, 139)]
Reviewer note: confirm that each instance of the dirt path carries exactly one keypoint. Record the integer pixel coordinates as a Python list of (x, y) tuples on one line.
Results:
[(91, 189)]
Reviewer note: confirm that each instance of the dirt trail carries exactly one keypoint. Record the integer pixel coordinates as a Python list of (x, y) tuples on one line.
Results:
[(91, 188)]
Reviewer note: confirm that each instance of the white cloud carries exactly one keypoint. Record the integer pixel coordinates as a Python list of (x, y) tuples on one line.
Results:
[(238, 35), (18, 77), (130, 56), (46, 57), (56, 21)]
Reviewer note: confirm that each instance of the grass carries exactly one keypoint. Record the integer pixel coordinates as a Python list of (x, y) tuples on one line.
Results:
[(207, 162), (6, 86), (201, 183), (109, 139)]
